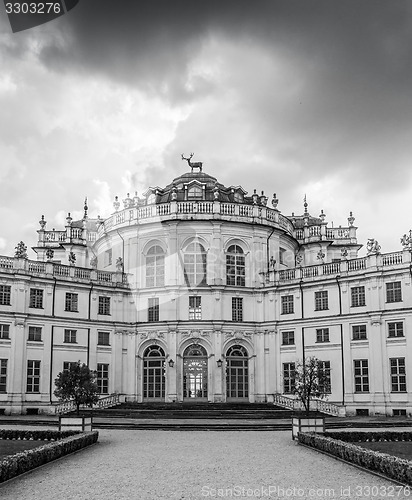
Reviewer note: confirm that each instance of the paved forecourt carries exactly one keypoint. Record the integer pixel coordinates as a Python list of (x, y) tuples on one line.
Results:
[(144, 464)]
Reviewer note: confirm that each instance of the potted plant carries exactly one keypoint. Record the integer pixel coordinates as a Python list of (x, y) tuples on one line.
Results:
[(311, 381), (77, 384)]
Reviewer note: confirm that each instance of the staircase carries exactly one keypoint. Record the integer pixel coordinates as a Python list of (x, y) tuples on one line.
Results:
[(193, 416)]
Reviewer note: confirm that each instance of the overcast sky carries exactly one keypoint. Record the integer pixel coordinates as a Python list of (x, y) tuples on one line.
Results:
[(285, 96)]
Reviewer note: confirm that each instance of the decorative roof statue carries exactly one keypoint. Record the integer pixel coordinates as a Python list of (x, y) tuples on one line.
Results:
[(72, 258), (197, 164), (119, 264), (275, 201), (93, 262), (21, 251), (373, 247), (320, 256), (406, 241)]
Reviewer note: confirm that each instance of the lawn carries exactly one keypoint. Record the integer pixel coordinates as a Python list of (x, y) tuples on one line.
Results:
[(401, 449), (11, 446)]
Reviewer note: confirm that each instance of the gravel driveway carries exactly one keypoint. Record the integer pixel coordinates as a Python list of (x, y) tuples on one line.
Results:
[(128, 464)]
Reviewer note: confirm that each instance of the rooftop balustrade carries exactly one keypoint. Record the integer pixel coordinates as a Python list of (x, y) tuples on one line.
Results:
[(333, 269), (225, 211), (15, 265), (215, 209)]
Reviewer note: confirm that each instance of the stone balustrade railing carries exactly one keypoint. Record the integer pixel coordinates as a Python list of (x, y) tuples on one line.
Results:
[(23, 266), (217, 209), (344, 266), (316, 404), (103, 402)]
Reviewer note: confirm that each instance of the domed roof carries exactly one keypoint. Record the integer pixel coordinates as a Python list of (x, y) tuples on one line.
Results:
[(198, 185)]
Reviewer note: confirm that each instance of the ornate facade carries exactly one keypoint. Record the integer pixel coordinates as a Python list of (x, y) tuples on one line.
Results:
[(199, 292)]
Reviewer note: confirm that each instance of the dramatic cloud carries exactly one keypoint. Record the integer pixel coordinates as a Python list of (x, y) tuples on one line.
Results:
[(292, 97)]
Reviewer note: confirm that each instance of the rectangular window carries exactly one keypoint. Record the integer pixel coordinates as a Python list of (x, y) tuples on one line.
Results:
[(3, 375), (33, 376), (103, 378), (70, 336), (35, 333), (282, 253), (359, 332), (395, 329), (398, 374), (104, 305), (358, 296), (393, 292), (107, 258), (288, 378), (321, 301), (4, 331), (195, 307), (288, 338), (68, 365), (103, 338), (324, 378), (287, 304), (5, 295), (36, 298), (361, 372), (322, 335), (237, 309), (72, 302), (153, 309)]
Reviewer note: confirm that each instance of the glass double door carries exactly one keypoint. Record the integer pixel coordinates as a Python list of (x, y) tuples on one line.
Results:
[(237, 374), (195, 374)]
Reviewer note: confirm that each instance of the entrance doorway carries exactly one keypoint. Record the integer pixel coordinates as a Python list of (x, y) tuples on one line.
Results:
[(195, 373), (154, 374), (237, 374)]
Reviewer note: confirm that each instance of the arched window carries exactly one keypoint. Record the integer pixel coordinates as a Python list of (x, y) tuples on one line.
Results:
[(195, 192), (155, 266), (151, 198), (237, 373), (154, 373), (235, 266), (238, 197), (195, 264)]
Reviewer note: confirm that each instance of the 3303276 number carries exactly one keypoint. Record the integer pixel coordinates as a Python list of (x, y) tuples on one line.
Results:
[(33, 8)]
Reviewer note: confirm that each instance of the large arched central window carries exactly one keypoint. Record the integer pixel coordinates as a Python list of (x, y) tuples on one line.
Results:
[(235, 266), (195, 192), (155, 266), (195, 264)]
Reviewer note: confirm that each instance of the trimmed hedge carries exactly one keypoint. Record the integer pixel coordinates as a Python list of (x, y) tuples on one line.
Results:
[(67, 442), (35, 435), (388, 465), (368, 436)]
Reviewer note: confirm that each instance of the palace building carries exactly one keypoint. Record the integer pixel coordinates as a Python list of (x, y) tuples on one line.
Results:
[(199, 292)]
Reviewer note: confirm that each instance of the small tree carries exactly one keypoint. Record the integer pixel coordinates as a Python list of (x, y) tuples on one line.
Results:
[(310, 381), (77, 384)]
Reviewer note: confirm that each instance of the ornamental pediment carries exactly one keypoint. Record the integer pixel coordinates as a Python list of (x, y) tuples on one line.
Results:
[(195, 334)]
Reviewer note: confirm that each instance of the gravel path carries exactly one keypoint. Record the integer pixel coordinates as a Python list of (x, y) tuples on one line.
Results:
[(188, 465)]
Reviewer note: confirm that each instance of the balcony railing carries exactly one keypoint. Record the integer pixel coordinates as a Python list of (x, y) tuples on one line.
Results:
[(23, 266)]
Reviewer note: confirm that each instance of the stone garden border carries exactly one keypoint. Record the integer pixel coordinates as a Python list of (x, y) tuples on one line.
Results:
[(340, 445), (61, 443)]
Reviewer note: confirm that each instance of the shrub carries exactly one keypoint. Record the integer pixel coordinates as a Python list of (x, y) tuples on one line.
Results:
[(65, 442)]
